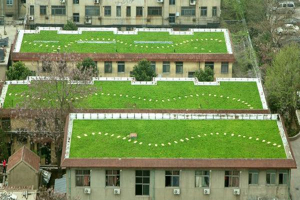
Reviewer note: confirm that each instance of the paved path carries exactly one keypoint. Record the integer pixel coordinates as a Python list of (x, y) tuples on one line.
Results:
[(295, 182)]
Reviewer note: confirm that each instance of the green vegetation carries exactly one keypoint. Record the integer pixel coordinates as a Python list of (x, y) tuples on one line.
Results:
[(246, 92), (143, 71), (205, 75), (50, 41), (88, 65), (70, 26), (18, 72), (168, 131)]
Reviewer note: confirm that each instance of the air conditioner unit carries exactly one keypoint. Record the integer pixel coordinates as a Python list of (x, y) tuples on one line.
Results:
[(236, 191), (87, 190), (176, 191), (97, 1), (31, 18), (62, 1), (160, 1), (177, 14), (192, 2), (88, 20), (206, 191), (117, 191)]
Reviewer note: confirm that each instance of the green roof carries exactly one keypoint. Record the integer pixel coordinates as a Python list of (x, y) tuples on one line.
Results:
[(108, 42), (164, 95), (176, 139)]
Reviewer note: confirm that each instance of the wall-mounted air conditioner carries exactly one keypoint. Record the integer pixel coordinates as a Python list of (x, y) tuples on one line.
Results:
[(97, 1), (31, 18), (192, 2), (236, 191), (62, 1), (176, 191), (160, 1), (87, 190), (206, 191), (117, 191), (88, 20), (177, 14)]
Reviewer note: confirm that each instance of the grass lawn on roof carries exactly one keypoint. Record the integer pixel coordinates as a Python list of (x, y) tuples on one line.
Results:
[(88, 42), (162, 132), (165, 95)]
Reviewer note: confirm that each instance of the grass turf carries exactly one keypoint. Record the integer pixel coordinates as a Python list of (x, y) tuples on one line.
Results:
[(245, 91), (168, 131), (197, 43)]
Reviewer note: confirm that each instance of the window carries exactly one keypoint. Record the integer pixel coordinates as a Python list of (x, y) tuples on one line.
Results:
[(188, 11), (83, 178), (58, 10), (139, 11), (142, 182), (271, 177), (118, 12), (202, 179), (191, 74), (171, 18), (46, 66), (203, 11), (128, 11), (171, 2), (107, 67), (9, 2), (283, 177), (75, 17), (43, 10), (214, 11), (172, 179), (153, 66), (107, 10), (232, 178), (121, 67), (31, 11), (112, 177), (166, 67), (224, 68), (75, 1), (253, 177), (210, 65), (40, 124), (92, 10), (154, 11), (5, 123), (179, 67)]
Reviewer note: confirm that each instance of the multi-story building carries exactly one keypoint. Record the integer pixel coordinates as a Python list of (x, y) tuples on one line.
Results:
[(13, 8), (125, 14)]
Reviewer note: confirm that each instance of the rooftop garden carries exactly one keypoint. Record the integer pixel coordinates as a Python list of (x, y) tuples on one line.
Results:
[(108, 42), (176, 139), (164, 95)]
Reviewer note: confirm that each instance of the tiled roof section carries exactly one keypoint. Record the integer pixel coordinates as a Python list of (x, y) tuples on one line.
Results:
[(124, 57), (24, 154), (182, 163)]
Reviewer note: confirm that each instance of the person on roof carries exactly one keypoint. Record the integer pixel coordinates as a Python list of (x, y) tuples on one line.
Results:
[(4, 166)]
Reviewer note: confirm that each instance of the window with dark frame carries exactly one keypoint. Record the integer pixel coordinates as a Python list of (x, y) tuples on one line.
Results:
[(214, 11), (188, 11), (139, 11), (76, 17), (5, 124), (9, 2), (172, 2), (58, 10), (128, 11), (118, 11), (92, 10), (172, 18), (191, 74), (107, 10), (121, 67), (253, 177), (154, 11), (283, 177), (172, 178), (224, 67), (179, 67), (211, 65), (75, 1), (203, 12), (202, 178), (107, 67), (271, 177), (232, 178), (142, 182), (40, 124), (166, 67), (82, 178), (46, 66), (112, 178), (31, 11), (153, 65), (43, 10)]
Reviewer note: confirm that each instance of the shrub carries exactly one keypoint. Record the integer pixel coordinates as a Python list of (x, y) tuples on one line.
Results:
[(205, 75), (18, 72), (143, 71), (70, 26), (88, 65)]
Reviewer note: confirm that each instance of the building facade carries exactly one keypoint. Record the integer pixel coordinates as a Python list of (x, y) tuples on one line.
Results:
[(125, 14), (13, 8)]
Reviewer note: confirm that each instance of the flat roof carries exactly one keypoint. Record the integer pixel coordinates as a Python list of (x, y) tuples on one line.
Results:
[(162, 137), (225, 94)]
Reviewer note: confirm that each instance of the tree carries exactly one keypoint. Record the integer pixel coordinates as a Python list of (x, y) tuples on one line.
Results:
[(88, 64), (18, 72), (205, 75), (3, 146), (282, 84), (70, 26), (143, 71)]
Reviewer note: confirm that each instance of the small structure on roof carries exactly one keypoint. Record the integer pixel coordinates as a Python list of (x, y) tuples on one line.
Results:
[(23, 168)]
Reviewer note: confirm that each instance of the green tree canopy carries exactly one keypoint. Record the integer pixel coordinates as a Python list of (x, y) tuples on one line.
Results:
[(70, 26), (143, 71), (88, 65), (3, 146), (18, 72), (205, 75)]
